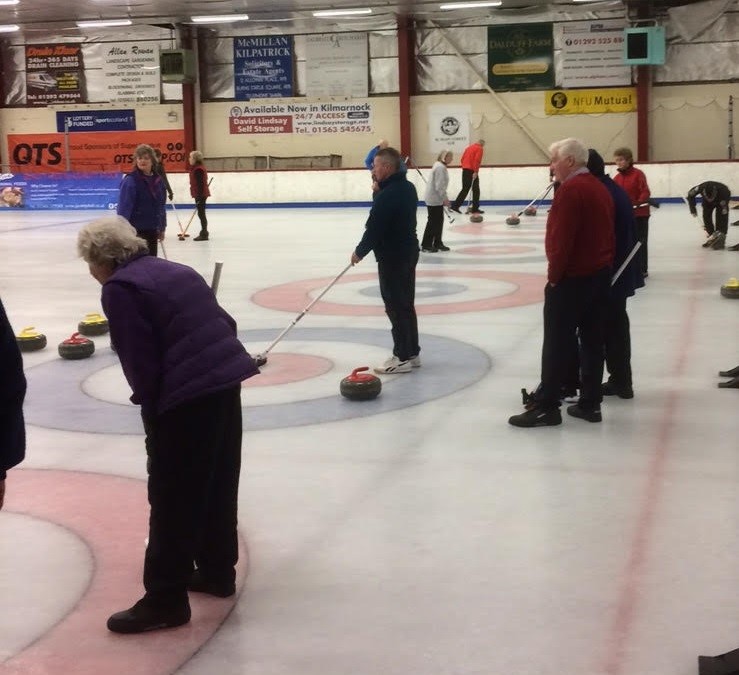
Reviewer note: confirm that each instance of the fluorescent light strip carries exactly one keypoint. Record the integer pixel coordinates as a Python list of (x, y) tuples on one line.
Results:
[(220, 18), (7, 3), (469, 5), (104, 23), (9, 28), (341, 12)]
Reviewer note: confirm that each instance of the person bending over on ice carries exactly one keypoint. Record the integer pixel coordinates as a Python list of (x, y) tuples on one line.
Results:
[(714, 197)]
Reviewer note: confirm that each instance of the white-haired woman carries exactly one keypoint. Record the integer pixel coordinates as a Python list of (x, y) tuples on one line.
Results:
[(436, 199), (199, 191), (180, 354), (142, 198)]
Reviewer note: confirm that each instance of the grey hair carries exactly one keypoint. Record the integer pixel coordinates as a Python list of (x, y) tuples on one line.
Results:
[(197, 157), (442, 155), (570, 147), (144, 150), (110, 239)]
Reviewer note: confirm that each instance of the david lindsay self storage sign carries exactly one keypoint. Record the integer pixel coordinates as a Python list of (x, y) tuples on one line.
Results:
[(301, 118)]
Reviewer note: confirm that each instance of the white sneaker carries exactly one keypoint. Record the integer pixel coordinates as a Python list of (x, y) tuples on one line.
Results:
[(394, 365), (415, 361)]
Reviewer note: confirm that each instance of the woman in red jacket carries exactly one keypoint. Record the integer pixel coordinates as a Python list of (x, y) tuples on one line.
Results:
[(199, 191), (634, 182)]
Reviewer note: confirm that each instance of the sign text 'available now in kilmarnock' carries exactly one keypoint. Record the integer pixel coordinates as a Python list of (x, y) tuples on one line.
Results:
[(301, 118)]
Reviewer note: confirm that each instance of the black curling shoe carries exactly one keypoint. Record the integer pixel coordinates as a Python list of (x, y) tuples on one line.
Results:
[(144, 617), (586, 414), (200, 584)]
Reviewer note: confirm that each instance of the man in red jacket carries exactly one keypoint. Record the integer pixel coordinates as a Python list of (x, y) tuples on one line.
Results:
[(470, 161), (634, 182), (580, 245)]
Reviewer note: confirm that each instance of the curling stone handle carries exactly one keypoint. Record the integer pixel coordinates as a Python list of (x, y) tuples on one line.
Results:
[(359, 370)]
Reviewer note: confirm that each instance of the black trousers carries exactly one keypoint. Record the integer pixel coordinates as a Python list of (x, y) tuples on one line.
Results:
[(642, 235), (618, 343), (398, 290), (469, 182), (576, 305), (434, 227), (151, 237), (722, 216), (194, 464), (200, 207)]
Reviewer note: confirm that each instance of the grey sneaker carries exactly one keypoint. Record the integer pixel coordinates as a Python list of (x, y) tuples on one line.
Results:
[(415, 361), (394, 365)]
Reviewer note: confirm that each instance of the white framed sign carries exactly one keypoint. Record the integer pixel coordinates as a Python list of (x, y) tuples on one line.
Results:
[(449, 127), (131, 72), (336, 65), (592, 54)]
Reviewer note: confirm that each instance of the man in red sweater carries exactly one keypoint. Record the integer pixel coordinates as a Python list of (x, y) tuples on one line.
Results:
[(470, 161), (634, 182), (580, 245)]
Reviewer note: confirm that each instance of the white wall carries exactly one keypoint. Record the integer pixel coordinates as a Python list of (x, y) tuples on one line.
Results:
[(497, 184), (689, 122)]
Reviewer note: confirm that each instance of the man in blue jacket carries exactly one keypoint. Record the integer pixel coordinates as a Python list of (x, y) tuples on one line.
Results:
[(12, 393), (390, 232)]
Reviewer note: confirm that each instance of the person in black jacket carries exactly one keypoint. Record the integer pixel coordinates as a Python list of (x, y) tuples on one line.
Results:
[(617, 327), (714, 197), (162, 173), (12, 393), (390, 232)]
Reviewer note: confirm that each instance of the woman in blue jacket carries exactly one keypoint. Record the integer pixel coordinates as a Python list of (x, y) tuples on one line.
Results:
[(142, 198), (181, 357)]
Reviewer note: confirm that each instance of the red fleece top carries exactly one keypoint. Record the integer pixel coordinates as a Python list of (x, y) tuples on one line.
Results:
[(634, 182), (580, 236), (472, 157)]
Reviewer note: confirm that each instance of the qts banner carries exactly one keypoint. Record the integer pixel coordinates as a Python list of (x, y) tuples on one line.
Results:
[(91, 152)]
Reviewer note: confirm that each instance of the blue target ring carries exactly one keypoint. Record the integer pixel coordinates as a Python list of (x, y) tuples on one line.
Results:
[(424, 289), (57, 400)]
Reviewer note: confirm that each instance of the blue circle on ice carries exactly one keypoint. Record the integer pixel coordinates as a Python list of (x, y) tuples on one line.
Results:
[(56, 399)]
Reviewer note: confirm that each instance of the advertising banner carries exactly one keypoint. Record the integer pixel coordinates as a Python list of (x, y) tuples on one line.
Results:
[(54, 74), (301, 118), (263, 67), (131, 72), (590, 101), (96, 120), (337, 65), (449, 128), (91, 152), (592, 54), (521, 57), (59, 191)]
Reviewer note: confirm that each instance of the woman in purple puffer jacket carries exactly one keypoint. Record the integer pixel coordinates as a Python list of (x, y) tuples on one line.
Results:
[(180, 354)]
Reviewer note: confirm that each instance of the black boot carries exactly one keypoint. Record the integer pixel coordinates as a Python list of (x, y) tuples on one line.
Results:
[(201, 584), (203, 236), (734, 372), (145, 616)]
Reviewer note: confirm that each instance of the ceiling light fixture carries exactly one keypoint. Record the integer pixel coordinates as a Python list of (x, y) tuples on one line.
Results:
[(6, 3), (220, 18), (104, 23), (341, 12), (470, 5), (9, 28)]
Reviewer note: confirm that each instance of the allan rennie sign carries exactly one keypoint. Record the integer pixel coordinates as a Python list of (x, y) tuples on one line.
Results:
[(263, 67)]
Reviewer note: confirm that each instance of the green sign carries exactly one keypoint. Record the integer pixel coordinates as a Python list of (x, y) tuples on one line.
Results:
[(521, 57)]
